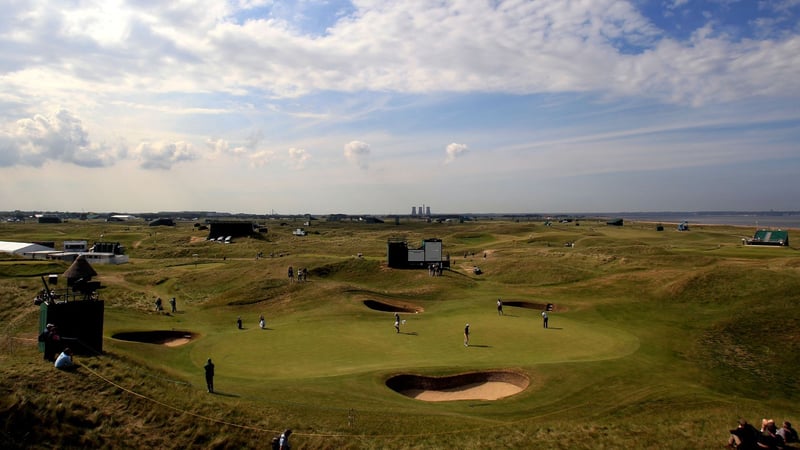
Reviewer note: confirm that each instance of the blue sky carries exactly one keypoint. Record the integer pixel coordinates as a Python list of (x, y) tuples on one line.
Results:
[(372, 107)]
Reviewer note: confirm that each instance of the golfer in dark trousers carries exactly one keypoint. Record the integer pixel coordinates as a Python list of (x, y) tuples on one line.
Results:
[(209, 375)]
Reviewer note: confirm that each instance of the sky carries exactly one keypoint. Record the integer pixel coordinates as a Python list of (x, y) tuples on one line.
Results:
[(374, 107)]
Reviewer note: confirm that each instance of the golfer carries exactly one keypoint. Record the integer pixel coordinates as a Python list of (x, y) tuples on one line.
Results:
[(466, 335), (209, 367), (397, 322), (544, 319)]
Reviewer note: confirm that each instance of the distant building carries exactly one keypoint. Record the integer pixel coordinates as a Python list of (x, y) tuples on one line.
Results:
[(76, 246), (769, 237), (162, 221), (421, 211), (400, 256), (49, 219), (224, 229)]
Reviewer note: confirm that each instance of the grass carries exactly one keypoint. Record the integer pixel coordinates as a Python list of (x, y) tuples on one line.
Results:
[(659, 340)]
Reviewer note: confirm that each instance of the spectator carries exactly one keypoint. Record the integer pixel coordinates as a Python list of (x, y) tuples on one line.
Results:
[(64, 360), (788, 433), (284, 441), (769, 437), (51, 339), (744, 436)]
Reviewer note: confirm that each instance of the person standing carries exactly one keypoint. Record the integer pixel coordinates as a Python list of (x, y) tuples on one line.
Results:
[(173, 304), (544, 319), (209, 367), (51, 341), (261, 322), (239, 322), (291, 274), (159, 306), (284, 441), (466, 335), (499, 307), (397, 322)]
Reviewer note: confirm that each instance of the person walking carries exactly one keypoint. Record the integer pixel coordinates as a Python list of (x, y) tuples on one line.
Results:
[(499, 307), (544, 319), (284, 444), (158, 304), (209, 367), (173, 304), (466, 335), (397, 322)]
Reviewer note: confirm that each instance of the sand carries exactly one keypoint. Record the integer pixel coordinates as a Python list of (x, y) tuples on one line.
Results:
[(490, 390)]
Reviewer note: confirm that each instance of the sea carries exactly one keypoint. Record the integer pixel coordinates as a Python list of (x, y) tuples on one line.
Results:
[(763, 219)]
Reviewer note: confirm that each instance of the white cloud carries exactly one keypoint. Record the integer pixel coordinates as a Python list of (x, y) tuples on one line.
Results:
[(57, 137), (298, 157), (454, 151), (357, 152), (163, 155), (547, 46), (261, 158)]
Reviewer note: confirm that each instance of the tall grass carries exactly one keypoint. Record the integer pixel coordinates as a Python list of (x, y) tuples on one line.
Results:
[(660, 339)]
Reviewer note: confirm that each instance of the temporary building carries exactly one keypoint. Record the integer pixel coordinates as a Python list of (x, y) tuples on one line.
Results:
[(769, 237)]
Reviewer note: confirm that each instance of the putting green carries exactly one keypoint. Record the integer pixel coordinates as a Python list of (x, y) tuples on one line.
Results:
[(335, 345)]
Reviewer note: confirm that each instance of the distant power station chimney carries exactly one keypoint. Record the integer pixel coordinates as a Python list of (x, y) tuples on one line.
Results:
[(413, 210), (427, 210)]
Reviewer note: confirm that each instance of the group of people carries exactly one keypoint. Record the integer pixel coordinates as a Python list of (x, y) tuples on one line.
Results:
[(173, 303), (770, 437), (51, 338), (302, 274), (262, 322), (545, 317), (435, 269)]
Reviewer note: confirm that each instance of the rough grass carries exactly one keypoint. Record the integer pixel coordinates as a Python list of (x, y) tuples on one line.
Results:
[(661, 339)]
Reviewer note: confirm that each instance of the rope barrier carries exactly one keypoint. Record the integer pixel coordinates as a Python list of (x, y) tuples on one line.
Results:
[(265, 430)]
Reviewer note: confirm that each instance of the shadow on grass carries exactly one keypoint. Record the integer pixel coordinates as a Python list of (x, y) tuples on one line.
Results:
[(479, 346), (224, 394)]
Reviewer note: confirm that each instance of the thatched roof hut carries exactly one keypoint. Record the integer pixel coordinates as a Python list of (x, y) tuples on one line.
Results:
[(80, 268)]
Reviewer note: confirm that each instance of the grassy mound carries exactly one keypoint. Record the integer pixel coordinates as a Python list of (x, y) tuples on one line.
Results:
[(658, 339)]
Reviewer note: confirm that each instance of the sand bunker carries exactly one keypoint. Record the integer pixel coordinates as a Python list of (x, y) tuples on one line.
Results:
[(491, 385), (170, 338), (393, 306), (531, 305)]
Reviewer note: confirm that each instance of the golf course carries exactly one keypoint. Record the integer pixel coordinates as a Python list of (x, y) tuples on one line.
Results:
[(656, 339)]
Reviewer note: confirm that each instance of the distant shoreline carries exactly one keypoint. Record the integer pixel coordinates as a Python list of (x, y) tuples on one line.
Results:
[(754, 220)]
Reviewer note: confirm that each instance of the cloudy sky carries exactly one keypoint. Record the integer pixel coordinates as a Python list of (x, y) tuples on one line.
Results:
[(369, 106)]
